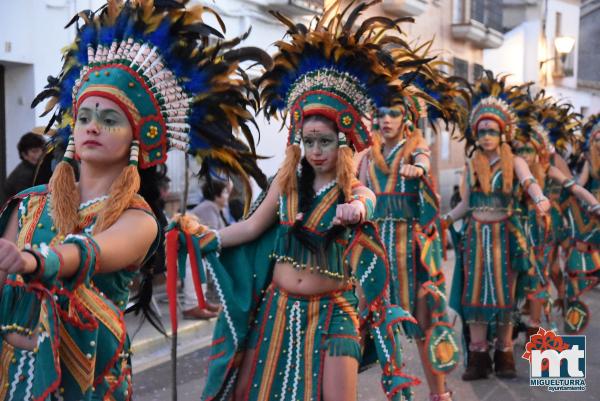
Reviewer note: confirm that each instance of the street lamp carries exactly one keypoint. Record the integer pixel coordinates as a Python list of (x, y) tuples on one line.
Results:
[(564, 45)]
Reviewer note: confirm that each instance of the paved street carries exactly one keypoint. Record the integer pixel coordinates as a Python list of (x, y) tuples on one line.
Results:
[(154, 383)]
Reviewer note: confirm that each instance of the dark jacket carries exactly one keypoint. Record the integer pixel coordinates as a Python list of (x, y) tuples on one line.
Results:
[(21, 178)]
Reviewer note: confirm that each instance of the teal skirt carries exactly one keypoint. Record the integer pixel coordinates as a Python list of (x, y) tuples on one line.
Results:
[(495, 255), (291, 337)]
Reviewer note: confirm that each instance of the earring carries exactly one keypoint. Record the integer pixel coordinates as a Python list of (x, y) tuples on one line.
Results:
[(342, 141), (70, 151), (134, 153)]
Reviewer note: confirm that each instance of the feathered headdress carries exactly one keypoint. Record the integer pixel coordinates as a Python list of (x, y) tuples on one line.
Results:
[(429, 94), (336, 69), (560, 121), (531, 132), (589, 129), (494, 100), (331, 67), (178, 90), (442, 97)]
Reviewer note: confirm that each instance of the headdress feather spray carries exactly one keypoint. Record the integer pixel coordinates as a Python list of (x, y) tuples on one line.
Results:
[(154, 59)]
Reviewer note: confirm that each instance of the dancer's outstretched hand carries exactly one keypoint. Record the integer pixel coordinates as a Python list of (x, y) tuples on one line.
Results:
[(411, 171), (349, 213), (11, 259), (543, 206)]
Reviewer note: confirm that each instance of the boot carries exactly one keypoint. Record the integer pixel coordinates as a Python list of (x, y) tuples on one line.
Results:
[(479, 366), (504, 364), (198, 314)]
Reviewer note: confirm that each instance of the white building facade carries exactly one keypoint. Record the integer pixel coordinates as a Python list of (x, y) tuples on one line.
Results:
[(529, 52)]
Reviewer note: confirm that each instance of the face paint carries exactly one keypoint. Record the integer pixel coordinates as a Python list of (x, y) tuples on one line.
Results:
[(481, 132), (102, 132), (387, 111), (106, 119), (320, 141), (320, 146)]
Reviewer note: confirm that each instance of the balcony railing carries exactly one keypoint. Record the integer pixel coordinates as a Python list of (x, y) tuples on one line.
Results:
[(478, 21)]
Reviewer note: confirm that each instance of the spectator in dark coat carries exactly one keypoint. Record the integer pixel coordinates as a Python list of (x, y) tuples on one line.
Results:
[(31, 149)]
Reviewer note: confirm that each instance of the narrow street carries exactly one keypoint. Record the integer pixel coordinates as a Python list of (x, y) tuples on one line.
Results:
[(154, 384)]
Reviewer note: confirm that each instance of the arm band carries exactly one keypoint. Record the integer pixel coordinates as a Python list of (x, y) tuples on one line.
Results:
[(526, 183), (422, 167), (367, 203), (47, 267), (569, 183)]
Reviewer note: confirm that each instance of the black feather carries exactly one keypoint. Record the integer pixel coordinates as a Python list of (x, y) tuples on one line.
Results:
[(202, 29), (250, 53), (89, 14), (46, 93)]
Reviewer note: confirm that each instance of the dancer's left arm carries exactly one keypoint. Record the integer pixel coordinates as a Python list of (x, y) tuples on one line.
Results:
[(124, 244), (584, 176), (560, 173), (542, 203)]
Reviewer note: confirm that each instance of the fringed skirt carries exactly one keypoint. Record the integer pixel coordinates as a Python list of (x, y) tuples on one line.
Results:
[(583, 267), (291, 337), (540, 255), (404, 246), (495, 252)]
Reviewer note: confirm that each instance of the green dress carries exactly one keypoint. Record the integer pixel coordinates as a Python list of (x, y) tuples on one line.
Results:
[(491, 255), (291, 334), (82, 350), (407, 217), (583, 236)]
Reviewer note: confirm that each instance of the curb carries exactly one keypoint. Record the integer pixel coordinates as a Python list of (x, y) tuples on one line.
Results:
[(156, 349)]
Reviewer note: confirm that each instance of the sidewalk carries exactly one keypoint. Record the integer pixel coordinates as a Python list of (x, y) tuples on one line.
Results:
[(150, 348)]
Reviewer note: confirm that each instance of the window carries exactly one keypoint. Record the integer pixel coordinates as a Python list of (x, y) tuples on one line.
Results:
[(478, 10), (461, 68), (477, 71), (493, 14)]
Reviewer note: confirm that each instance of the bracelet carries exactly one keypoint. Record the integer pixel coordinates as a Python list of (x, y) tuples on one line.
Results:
[(47, 267), (526, 182), (569, 183), (89, 253), (539, 199), (594, 208), (422, 167), (210, 241), (38, 261), (367, 203), (421, 151)]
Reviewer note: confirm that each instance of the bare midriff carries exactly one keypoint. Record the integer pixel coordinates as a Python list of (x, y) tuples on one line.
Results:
[(304, 282), (489, 216)]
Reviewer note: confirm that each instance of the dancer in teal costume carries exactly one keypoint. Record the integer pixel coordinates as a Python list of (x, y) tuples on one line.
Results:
[(128, 92), (304, 280), (493, 251)]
